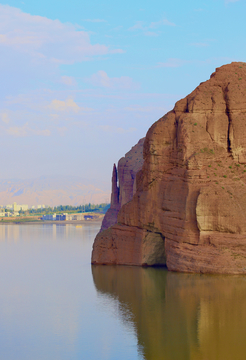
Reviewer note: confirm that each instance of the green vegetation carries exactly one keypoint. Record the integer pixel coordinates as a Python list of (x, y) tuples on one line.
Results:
[(18, 221), (98, 208), (206, 150), (225, 176)]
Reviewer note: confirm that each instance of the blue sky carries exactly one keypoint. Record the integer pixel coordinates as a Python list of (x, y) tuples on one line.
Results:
[(81, 82)]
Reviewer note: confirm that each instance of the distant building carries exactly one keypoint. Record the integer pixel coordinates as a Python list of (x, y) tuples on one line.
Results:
[(24, 207), (16, 208), (88, 217), (50, 217), (63, 217), (70, 217), (41, 207), (2, 212)]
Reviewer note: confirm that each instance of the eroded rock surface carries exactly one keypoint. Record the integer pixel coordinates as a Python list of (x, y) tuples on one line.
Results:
[(191, 189), (128, 166)]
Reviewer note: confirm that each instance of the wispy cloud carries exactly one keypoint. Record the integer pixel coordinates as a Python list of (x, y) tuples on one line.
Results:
[(25, 130), (5, 117), (150, 33), (138, 26), (45, 39), (66, 106), (162, 22), (102, 79), (146, 28), (68, 80)]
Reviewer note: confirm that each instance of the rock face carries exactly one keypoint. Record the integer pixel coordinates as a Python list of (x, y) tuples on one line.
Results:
[(128, 166), (191, 191)]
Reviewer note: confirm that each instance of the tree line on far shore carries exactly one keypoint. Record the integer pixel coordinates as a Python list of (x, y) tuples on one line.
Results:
[(97, 208)]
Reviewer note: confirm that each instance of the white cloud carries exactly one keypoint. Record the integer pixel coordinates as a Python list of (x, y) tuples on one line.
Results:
[(46, 40), (137, 26), (102, 79), (25, 130), (68, 80), (5, 117), (162, 22), (153, 25), (151, 33), (67, 105)]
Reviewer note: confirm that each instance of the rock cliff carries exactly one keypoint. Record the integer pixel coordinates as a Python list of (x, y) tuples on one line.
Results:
[(189, 208), (128, 166)]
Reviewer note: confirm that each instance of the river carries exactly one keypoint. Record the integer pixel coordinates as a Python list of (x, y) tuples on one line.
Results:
[(55, 306)]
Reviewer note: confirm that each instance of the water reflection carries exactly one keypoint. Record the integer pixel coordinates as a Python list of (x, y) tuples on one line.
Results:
[(15, 233), (179, 316), (46, 292)]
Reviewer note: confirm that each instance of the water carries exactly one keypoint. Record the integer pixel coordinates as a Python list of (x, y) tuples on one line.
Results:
[(54, 305)]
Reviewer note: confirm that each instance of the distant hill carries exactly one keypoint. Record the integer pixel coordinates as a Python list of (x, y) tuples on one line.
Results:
[(56, 190)]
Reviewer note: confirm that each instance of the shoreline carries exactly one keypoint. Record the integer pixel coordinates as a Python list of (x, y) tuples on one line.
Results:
[(58, 222)]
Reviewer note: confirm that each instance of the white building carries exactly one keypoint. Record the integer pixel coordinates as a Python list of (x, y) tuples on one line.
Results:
[(2, 212), (15, 207), (50, 217)]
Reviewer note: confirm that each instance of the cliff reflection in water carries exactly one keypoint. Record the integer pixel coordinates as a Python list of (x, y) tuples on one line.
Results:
[(179, 316)]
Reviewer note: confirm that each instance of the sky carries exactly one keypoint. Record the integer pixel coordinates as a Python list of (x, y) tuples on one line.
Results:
[(82, 81)]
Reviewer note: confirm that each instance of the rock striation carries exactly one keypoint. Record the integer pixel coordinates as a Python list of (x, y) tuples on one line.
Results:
[(128, 166), (189, 208)]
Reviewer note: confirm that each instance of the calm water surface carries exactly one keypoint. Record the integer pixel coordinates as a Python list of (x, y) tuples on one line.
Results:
[(54, 305)]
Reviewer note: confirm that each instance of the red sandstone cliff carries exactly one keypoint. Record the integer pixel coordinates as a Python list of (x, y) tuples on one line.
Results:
[(189, 208), (128, 166)]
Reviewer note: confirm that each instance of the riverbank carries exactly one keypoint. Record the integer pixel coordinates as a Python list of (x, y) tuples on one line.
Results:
[(33, 220)]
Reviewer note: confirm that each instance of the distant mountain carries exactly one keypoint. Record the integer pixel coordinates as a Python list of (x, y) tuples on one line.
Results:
[(56, 190)]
